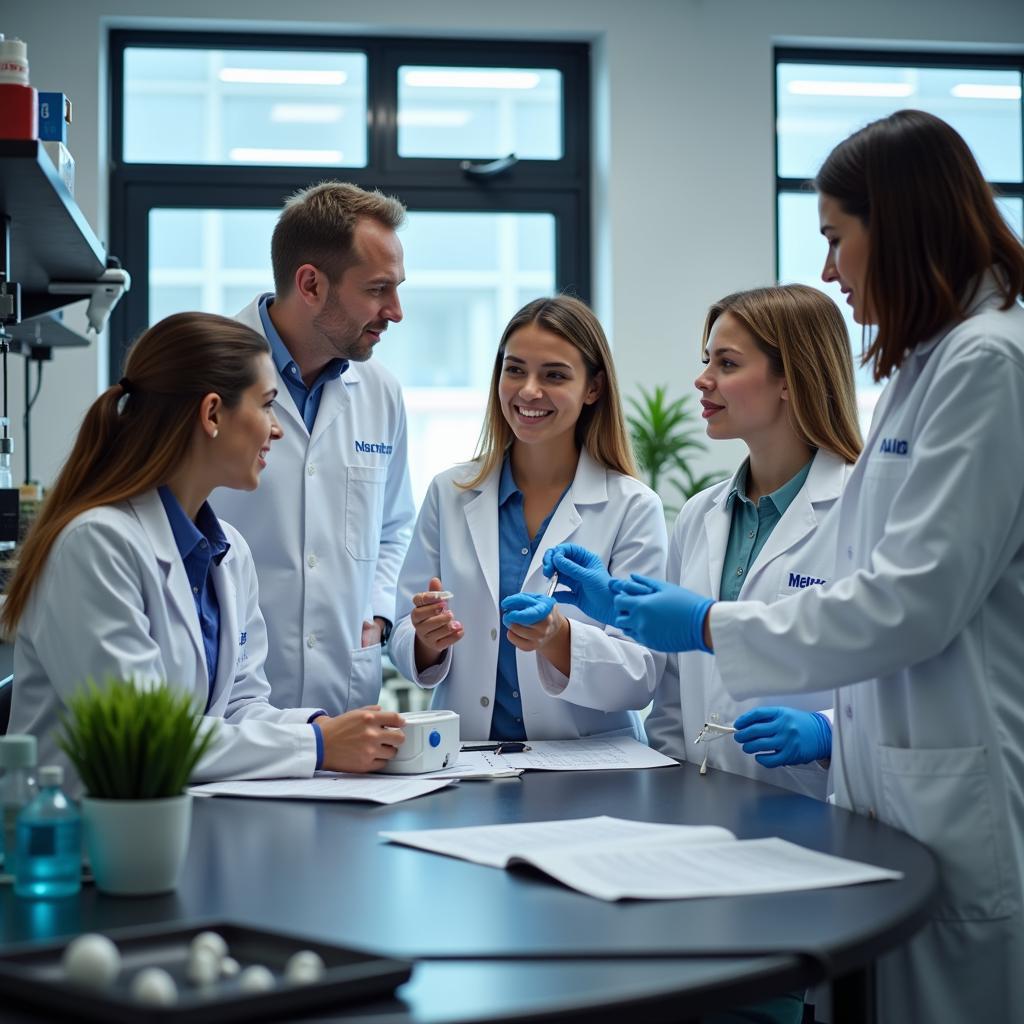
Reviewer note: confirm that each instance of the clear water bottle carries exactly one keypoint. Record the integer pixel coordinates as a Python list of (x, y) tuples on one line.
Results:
[(49, 851), (17, 789)]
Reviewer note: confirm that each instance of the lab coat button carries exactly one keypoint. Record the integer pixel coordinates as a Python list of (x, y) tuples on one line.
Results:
[(311, 470), (311, 640), (494, 634), (311, 561), (485, 702)]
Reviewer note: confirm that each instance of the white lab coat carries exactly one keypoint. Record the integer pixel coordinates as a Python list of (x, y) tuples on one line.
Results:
[(328, 528), (114, 600), (456, 539), (800, 552), (928, 620)]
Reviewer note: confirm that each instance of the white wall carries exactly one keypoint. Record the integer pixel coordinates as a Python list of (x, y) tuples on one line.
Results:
[(684, 187)]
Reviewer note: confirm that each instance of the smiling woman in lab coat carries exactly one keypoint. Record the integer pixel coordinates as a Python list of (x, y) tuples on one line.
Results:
[(554, 464), (128, 572), (922, 628), (779, 376)]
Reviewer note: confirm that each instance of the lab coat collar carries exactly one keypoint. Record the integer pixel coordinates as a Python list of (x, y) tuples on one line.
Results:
[(988, 296), (149, 510)]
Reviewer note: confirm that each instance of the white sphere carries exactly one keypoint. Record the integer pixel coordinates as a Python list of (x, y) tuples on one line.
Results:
[(304, 967), (155, 986), (229, 967), (211, 941), (91, 960), (256, 978), (203, 966)]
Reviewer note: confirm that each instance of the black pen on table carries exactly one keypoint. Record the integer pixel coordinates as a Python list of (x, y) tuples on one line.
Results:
[(505, 747)]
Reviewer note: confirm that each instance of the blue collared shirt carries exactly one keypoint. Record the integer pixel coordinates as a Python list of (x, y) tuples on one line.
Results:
[(515, 552), (752, 525), (200, 544), (307, 400)]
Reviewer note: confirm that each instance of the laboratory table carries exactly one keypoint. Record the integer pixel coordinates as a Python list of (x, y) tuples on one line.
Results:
[(495, 945)]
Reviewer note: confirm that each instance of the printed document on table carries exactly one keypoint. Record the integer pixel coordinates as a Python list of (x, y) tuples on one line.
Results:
[(613, 859), (327, 786), (587, 755), (496, 845), (475, 764)]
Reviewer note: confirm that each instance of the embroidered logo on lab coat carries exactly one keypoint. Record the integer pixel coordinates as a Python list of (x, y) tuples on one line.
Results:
[(798, 582), (243, 654), (894, 446), (373, 447)]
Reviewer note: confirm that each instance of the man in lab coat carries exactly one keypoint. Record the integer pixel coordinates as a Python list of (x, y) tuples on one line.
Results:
[(330, 522)]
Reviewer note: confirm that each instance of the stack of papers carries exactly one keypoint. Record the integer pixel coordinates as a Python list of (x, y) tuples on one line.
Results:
[(614, 859), (587, 755), (377, 789)]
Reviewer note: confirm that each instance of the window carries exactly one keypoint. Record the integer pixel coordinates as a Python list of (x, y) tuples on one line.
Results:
[(211, 132), (821, 97)]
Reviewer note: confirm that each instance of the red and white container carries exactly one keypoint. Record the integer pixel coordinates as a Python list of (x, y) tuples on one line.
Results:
[(19, 102)]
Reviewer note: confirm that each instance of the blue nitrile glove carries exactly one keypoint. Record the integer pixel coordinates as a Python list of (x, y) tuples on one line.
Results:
[(780, 736), (526, 609), (661, 615), (584, 574)]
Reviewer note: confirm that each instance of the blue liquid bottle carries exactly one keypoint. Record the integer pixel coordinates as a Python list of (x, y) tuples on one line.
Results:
[(49, 843), (17, 789)]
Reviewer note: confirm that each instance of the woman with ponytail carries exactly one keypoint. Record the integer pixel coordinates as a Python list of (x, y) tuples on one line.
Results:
[(128, 573)]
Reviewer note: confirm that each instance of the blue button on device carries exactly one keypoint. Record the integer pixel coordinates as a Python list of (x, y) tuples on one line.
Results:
[(435, 738)]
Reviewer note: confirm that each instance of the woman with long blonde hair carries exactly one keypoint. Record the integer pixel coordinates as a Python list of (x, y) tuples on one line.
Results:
[(554, 463)]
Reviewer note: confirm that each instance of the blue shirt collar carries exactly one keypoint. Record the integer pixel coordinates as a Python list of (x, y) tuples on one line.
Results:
[(283, 360), (188, 534), (781, 498), (507, 485)]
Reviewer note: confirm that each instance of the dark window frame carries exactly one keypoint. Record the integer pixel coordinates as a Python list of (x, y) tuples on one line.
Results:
[(560, 187), (962, 59)]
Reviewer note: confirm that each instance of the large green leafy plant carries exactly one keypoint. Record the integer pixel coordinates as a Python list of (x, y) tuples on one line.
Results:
[(128, 743), (666, 435)]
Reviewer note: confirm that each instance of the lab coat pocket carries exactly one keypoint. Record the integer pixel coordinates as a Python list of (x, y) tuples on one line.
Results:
[(366, 675), (943, 797), (364, 510)]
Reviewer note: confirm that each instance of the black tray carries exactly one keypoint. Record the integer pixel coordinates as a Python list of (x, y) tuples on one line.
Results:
[(33, 975)]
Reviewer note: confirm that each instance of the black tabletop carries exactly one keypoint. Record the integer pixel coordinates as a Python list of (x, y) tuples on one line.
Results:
[(511, 945)]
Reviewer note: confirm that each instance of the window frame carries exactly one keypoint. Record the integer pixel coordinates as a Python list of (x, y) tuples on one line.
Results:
[(560, 187), (965, 60)]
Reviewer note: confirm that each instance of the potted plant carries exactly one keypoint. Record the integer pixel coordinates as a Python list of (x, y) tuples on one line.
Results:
[(665, 436), (134, 750)]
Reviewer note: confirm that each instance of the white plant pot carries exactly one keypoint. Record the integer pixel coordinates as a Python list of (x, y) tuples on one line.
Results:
[(137, 847)]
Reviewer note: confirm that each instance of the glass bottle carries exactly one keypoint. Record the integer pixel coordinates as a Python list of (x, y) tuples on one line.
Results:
[(7, 482), (49, 857), (17, 788)]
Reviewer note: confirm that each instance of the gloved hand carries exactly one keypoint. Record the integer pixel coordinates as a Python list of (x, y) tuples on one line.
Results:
[(661, 615), (779, 736), (526, 609), (584, 574)]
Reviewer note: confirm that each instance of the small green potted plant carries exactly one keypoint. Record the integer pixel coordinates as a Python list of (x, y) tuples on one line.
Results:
[(665, 437), (134, 750)]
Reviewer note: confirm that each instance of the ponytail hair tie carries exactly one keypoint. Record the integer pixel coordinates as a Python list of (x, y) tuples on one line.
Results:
[(126, 385)]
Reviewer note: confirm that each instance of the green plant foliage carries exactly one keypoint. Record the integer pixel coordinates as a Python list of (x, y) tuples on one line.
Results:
[(129, 743), (665, 435)]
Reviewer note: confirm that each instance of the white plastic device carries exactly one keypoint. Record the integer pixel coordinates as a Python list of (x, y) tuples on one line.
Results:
[(431, 743)]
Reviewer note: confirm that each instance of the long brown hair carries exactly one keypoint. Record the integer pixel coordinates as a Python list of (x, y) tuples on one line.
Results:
[(803, 334), (933, 228), (601, 428), (136, 433)]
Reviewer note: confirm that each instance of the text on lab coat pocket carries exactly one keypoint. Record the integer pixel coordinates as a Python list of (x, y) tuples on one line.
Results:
[(944, 797), (364, 510)]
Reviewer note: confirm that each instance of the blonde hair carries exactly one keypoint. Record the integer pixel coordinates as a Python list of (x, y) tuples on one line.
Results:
[(135, 435), (601, 428), (318, 226), (803, 334)]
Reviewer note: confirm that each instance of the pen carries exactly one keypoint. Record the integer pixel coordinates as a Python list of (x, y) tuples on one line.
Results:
[(550, 592), (499, 748)]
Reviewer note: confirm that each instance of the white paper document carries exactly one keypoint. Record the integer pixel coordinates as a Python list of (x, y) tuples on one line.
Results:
[(587, 755), (327, 786), (475, 764), (614, 859)]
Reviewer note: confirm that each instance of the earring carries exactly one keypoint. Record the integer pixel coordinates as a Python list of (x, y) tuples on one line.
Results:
[(215, 432)]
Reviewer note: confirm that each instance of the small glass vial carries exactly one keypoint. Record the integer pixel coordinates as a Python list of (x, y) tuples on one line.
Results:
[(7, 482), (49, 851), (17, 789)]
